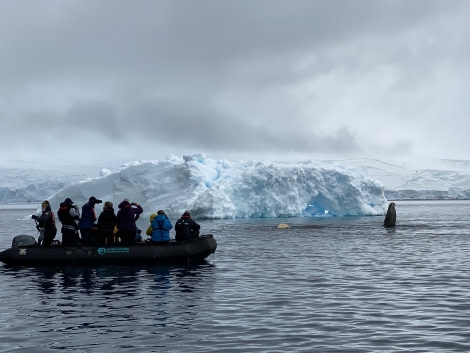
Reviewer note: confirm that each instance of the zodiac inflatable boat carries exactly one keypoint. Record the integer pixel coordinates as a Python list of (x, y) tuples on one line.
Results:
[(25, 251)]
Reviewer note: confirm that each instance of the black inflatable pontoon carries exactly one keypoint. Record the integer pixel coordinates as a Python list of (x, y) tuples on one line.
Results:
[(24, 253)]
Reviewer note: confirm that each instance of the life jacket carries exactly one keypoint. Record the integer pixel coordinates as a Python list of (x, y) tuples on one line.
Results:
[(183, 228), (49, 219), (65, 218), (161, 226), (52, 217), (49, 224)]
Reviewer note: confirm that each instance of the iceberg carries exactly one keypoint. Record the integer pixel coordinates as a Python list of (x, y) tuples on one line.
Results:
[(222, 189), (448, 179)]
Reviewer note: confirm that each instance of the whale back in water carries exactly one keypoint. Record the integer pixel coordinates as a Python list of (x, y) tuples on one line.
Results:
[(391, 216)]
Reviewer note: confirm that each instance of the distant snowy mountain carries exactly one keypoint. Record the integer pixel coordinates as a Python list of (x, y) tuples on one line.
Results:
[(448, 179), (23, 184)]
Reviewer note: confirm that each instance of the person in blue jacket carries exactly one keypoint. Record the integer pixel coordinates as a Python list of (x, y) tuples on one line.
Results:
[(87, 222), (161, 226)]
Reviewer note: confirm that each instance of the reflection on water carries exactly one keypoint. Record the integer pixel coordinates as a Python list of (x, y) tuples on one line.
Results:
[(106, 307), (109, 279)]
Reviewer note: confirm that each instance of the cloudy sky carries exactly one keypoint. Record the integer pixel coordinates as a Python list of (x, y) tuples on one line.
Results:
[(106, 81)]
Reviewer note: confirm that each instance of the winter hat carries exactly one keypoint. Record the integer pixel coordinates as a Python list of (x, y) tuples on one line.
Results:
[(68, 202), (186, 214), (45, 203), (161, 212), (124, 204), (94, 200)]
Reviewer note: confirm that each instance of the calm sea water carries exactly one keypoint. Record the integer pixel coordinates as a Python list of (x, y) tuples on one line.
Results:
[(324, 285)]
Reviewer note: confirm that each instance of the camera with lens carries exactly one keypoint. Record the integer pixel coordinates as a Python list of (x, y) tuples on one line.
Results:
[(98, 201), (133, 204)]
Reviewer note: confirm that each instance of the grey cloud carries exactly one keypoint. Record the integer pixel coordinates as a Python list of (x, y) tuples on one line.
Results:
[(254, 76), (97, 117), (202, 127), (163, 38), (82, 117)]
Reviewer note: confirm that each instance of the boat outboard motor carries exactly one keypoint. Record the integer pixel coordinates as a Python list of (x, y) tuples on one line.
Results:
[(21, 240)]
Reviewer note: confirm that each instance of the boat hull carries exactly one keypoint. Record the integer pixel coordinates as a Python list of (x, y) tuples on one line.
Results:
[(194, 250)]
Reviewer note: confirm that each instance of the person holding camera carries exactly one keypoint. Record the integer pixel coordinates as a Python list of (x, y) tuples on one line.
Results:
[(87, 222), (45, 223), (69, 214), (125, 221)]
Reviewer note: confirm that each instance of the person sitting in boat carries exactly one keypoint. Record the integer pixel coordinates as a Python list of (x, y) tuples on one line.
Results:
[(138, 235), (186, 227), (149, 228), (161, 226), (87, 222), (46, 224), (106, 224), (69, 214), (125, 222)]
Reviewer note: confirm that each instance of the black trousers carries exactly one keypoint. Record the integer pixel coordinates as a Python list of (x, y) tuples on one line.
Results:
[(127, 236), (70, 237)]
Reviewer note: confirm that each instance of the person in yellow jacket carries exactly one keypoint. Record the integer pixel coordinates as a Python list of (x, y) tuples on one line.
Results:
[(150, 229)]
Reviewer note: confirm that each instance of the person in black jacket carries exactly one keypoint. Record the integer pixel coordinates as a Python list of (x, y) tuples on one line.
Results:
[(186, 227), (46, 224), (106, 224), (69, 214)]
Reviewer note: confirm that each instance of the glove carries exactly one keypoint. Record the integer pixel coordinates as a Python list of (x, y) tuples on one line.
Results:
[(35, 217)]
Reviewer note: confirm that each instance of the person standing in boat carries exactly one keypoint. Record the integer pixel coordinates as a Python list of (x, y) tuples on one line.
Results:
[(125, 221), (161, 226), (46, 224), (87, 222), (106, 224), (69, 214), (186, 227)]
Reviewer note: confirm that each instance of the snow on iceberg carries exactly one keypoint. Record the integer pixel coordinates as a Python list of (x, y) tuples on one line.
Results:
[(220, 189)]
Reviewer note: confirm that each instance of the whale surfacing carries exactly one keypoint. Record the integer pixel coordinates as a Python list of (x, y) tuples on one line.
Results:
[(391, 216)]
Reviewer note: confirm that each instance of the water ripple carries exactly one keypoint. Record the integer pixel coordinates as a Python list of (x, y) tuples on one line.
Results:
[(333, 285)]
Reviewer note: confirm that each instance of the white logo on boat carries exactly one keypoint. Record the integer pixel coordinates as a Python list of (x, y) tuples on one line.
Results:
[(103, 251)]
